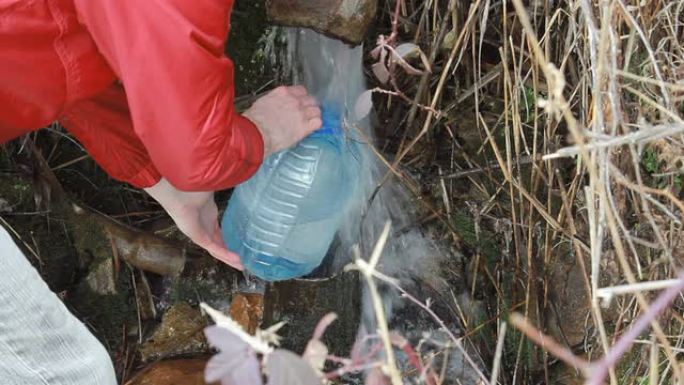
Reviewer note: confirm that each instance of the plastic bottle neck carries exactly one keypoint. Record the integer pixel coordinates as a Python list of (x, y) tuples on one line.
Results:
[(332, 122)]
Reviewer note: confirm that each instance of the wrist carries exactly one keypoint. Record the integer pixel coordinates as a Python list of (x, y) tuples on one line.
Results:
[(259, 125)]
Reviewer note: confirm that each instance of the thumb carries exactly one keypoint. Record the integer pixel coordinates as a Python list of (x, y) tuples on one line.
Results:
[(217, 248), (224, 255)]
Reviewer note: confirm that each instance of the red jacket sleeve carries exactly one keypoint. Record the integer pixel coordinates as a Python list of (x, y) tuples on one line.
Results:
[(179, 85), (103, 125)]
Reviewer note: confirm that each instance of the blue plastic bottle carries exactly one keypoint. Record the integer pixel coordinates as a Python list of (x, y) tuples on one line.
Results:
[(282, 221)]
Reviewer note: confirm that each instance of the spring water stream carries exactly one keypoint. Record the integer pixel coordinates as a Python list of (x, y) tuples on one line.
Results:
[(333, 71)]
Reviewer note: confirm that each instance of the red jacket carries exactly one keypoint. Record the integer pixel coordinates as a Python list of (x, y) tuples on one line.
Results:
[(59, 60)]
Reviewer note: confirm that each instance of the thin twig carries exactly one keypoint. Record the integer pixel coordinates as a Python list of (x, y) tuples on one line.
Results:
[(547, 342), (600, 369)]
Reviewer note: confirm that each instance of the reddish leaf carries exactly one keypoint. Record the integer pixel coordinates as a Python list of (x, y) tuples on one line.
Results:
[(323, 325), (316, 353), (224, 340), (236, 363), (286, 368), (381, 72), (364, 104), (235, 369)]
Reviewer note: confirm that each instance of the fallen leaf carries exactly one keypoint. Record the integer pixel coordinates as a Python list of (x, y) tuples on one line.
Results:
[(449, 40), (410, 50), (364, 104), (407, 50)]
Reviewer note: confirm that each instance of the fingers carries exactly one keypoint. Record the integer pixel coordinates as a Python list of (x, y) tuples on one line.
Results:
[(218, 249), (312, 113), (302, 97), (308, 101), (309, 107), (221, 253), (298, 91), (314, 124)]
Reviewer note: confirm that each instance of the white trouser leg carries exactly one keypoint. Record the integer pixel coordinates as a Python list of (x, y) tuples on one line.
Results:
[(41, 342)]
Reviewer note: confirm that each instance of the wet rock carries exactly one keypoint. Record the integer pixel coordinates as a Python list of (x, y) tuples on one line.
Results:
[(204, 279), (302, 303), (101, 278), (176, 372), (347, 20), (247, 309), (180, 332)]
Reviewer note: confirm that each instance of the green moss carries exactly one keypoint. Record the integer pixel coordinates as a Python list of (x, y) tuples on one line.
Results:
[(527, 103), (105, 315), (16, 191), (652, 165), (485, 242), (649, 161), (530, 355), (249, 24), (89, 238)]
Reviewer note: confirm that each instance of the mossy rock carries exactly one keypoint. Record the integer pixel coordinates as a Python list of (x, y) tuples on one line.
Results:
[(107, 315)]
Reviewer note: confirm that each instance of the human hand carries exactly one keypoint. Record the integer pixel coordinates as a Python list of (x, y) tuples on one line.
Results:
[(196, 215), (284, 116)]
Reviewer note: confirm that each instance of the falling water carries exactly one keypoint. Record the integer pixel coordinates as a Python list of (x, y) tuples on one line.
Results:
[(333, 71)]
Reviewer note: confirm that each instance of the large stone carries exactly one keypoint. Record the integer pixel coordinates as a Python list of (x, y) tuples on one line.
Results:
[(181, 332), (347, 20), (302, 303)]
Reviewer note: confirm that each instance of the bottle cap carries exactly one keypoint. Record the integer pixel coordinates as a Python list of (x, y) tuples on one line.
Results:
[(332, 122)]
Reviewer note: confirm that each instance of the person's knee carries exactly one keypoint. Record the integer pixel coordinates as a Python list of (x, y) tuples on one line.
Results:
[(100, 366)]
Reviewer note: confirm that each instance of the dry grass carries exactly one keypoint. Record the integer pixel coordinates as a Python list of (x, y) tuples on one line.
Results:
[(561, 125)]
